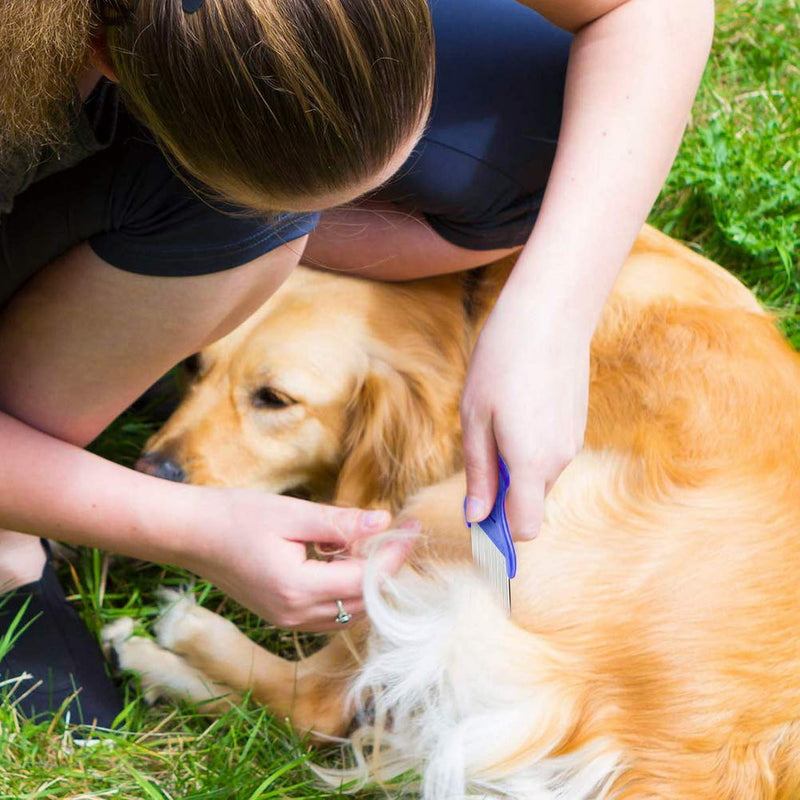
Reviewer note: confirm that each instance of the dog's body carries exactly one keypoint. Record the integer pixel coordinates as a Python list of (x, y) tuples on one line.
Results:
[(652, 650)]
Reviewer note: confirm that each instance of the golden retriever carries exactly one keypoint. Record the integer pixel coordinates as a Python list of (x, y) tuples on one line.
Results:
[(652, 650), (339, 389)]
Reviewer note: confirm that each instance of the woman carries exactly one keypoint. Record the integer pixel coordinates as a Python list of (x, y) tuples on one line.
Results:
[(114, 269)]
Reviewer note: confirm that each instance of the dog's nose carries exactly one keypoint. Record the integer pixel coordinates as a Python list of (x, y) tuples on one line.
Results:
[(160, 467)]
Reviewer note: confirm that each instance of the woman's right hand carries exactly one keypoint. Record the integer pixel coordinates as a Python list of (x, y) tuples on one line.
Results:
[(253, 546)]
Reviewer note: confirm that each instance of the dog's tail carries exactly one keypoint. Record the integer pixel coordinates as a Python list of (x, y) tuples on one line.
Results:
[(464, 702)]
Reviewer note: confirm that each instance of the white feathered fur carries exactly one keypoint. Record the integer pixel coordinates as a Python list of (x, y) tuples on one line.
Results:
[(463, 698)]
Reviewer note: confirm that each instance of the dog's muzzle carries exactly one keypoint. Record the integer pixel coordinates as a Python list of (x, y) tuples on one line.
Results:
[(160, 467)]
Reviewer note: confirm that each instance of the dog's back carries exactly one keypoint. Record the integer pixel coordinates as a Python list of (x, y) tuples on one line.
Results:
[(652, 650)]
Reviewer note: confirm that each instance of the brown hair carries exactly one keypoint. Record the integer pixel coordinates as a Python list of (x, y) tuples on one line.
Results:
[(273, 100)]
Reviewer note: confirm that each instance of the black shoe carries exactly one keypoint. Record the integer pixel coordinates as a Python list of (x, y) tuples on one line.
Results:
[(56, 649)]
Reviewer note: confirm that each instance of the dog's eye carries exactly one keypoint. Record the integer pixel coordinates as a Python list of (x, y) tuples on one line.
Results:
[(191, 365), (269, 398)]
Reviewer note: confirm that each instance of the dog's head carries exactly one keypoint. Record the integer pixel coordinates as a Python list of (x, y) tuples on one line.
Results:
[(338, 389)]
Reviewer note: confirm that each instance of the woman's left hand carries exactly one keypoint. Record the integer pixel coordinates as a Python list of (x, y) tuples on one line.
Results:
[(526, 396)]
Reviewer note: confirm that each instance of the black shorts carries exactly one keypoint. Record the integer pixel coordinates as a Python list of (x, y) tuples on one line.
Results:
[(477, 175)]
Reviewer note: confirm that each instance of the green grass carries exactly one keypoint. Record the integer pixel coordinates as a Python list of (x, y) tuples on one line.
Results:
[(733, 194), (734, 190)]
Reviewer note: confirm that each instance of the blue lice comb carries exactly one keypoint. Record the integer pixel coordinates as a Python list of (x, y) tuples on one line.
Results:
[(492, 547)]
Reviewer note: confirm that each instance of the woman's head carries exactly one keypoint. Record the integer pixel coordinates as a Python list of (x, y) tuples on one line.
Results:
[(275, 104)]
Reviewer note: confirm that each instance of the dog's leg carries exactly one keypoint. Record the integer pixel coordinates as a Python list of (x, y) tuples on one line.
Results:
[(310, 693), (161, 673)]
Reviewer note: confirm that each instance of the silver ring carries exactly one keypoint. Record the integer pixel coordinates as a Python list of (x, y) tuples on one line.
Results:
[(342, 617)]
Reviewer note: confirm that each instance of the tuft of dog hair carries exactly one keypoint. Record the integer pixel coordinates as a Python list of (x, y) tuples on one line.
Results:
[(467, 716)]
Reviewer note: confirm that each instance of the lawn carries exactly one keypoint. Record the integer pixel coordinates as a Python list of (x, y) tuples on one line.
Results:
[(733, 194)]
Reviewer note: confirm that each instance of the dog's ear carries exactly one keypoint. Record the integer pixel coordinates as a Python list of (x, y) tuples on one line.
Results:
[(403, 433)]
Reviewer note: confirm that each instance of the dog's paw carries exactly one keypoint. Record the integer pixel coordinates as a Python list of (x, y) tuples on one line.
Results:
[(163, 674), (115, 633), (129, 653), (177, 622), (169, 595)]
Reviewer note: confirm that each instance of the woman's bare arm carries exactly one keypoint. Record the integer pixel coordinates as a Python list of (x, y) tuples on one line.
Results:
[(249, 543)]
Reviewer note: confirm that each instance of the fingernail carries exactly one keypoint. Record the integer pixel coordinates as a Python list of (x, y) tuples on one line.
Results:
[(376, 520), (476, 509)]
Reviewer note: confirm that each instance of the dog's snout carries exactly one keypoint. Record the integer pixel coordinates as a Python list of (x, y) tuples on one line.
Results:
[(161, 467), (170, 471)]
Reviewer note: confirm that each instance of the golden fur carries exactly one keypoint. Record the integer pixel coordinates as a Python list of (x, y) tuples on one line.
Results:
[(653, 637), (374, 372)]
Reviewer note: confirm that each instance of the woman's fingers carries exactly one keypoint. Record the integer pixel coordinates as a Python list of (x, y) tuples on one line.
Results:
[(316, 522), (323, 581), (525, 498), (480, 464), (270, 571)]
